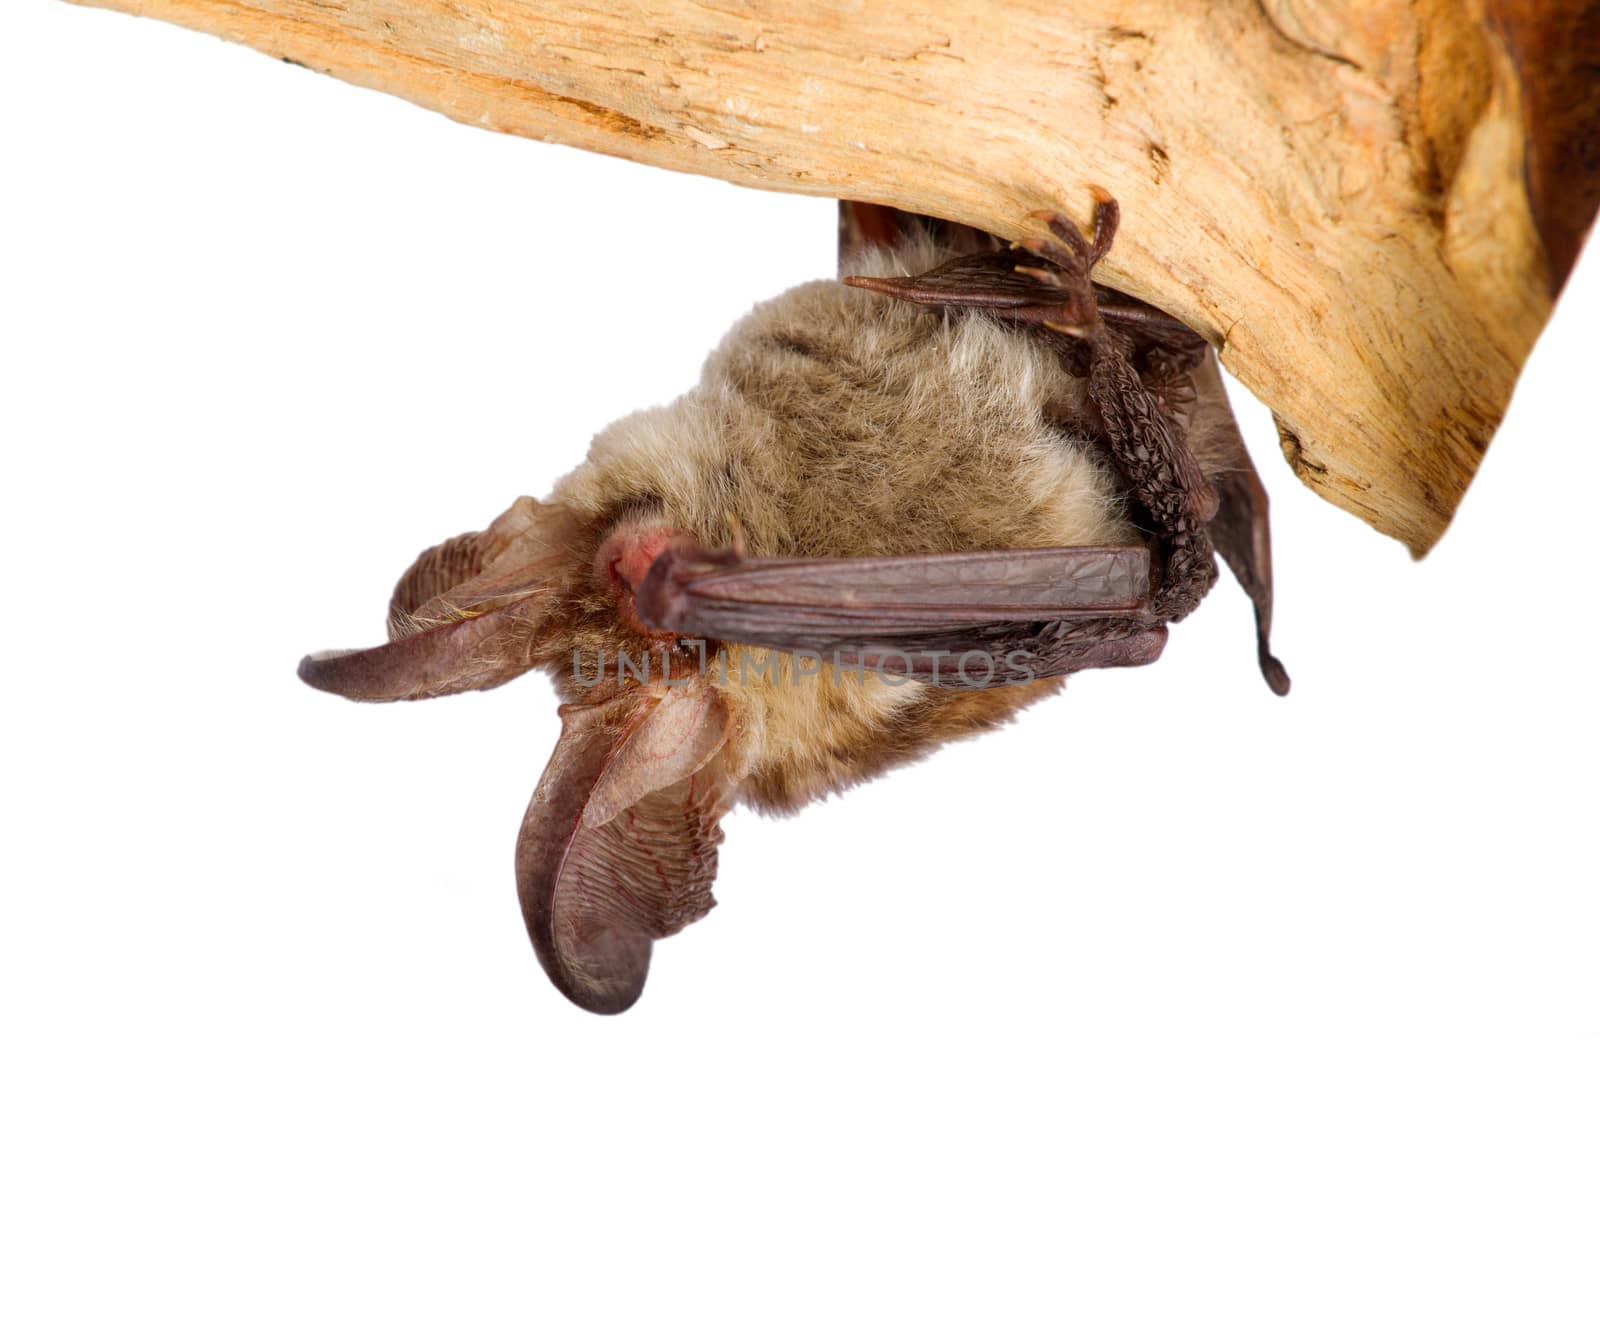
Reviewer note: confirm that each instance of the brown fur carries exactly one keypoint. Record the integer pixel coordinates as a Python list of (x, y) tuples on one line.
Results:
[(832, 423)]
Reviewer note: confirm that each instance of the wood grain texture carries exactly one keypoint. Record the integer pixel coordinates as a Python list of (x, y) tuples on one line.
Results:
[(1367, 208)]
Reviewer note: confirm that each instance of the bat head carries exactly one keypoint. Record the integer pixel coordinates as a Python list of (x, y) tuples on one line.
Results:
[(618, 845)]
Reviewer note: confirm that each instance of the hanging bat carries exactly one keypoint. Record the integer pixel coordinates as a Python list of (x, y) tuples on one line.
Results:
[(895, 511)]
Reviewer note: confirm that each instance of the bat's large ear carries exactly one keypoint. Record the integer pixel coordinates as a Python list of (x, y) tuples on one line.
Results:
[(466, 616), (619, 844)]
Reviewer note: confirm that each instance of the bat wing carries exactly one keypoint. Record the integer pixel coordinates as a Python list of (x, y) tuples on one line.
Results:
[(972, 281), (619, 844), (1240, 530), (1006, 284), (956, 619)]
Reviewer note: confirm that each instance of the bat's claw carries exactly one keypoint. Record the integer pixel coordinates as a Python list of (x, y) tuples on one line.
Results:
[(1076, 253), (1043, 275), (1071, 257), (1107, 216)]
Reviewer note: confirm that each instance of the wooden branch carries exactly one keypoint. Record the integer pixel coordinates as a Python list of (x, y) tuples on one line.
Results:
[(1367, 207)]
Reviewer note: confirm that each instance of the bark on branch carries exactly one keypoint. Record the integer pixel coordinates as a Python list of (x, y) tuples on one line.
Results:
[(1368, 207)]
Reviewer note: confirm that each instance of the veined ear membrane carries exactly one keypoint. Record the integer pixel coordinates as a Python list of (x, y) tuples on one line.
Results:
[(515, 557), (434, 573), (473, 654), (467, 616), (619, 844)]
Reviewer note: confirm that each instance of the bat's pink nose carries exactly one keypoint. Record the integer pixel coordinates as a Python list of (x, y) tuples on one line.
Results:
[(627, 553), (624, 559)]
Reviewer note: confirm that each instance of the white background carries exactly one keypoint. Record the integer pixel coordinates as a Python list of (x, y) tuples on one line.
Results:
[(1172, 1003)]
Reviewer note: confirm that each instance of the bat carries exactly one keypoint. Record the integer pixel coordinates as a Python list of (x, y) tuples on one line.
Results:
[(895, 511)]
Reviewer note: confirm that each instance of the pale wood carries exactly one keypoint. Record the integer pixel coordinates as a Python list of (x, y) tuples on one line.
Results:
[(1336, 193)]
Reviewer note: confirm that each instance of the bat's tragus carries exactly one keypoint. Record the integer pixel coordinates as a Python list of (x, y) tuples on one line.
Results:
[(866, 532)]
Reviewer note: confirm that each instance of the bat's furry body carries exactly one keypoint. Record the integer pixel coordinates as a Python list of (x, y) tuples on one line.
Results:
[(922, 456), (834, 423)]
